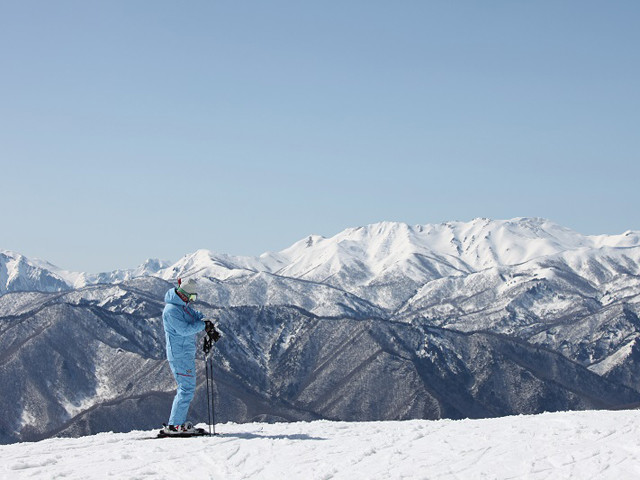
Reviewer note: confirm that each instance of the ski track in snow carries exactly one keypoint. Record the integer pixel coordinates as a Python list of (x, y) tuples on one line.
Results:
[(576, 445)]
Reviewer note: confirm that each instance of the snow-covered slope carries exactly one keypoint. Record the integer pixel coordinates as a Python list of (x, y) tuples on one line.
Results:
[(602, 445)]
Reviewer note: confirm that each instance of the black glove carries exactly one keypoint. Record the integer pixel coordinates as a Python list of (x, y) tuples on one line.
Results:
[(211, 331)]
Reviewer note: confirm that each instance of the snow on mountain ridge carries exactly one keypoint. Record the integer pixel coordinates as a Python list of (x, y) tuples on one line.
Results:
[(481, 243), (19, 273), (386, 263), (367, 255), (356, 257)]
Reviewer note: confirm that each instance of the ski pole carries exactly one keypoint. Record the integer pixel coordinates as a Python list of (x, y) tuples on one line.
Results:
[(208, 365), (213, 402), (210, 338)]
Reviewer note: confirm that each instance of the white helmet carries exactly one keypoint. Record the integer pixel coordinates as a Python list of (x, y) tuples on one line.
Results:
[(188, 288)]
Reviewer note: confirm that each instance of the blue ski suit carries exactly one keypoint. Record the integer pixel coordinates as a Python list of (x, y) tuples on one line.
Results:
[(181, 324)]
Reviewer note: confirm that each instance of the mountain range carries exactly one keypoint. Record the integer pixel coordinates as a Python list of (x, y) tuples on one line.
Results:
[(387, 321)]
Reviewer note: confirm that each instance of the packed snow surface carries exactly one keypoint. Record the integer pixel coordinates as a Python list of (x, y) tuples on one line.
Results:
[(580, 445)]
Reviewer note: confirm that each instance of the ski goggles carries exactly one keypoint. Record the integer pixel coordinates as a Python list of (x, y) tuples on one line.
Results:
[(191, 296)]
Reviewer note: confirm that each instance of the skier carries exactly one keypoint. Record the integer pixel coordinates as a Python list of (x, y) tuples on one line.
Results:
[(181, 324)]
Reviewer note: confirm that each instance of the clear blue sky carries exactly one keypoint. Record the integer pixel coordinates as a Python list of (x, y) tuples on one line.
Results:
[(137, 129)]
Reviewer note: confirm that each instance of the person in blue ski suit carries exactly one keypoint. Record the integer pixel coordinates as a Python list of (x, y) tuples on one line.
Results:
[(181, 325)]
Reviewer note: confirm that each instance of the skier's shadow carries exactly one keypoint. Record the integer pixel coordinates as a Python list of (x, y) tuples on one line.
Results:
[(249, 436)]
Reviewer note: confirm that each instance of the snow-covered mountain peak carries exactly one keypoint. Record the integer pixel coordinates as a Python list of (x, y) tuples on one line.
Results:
[(362, 260), (358, 257), (478, 244), (154, 265), (203, 263), (19, 273)]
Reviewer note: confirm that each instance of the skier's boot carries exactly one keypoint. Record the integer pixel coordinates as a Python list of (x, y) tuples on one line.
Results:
[(188, 429), (185, 430)]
